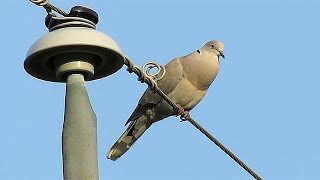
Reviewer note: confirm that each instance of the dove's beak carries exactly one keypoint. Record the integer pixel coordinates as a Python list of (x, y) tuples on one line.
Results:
[(222, 55)]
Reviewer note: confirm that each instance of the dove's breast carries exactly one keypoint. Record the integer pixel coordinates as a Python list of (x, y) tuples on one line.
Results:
[(199, 71), (186, 94)]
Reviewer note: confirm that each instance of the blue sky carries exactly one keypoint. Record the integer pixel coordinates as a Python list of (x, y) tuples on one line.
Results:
[(264, 104)]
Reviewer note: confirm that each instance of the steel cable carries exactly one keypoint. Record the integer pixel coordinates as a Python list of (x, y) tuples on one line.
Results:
[(144, 78)]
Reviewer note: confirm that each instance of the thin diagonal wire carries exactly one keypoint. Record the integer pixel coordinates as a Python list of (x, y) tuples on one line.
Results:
[(153, 86), (223, 148), (49, 7)]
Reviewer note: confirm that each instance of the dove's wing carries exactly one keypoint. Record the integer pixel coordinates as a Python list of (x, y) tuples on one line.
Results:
[(149, 110), (173, 74)]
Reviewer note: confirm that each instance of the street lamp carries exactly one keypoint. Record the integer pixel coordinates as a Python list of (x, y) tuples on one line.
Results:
[(74, 52)]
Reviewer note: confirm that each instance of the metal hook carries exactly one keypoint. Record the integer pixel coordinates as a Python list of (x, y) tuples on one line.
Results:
[(146, 67)]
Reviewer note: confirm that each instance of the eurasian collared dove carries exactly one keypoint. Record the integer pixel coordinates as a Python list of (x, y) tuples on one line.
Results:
[(186, 81)]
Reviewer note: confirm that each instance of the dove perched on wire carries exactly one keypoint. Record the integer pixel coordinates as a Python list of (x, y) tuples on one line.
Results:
[(186, 81)]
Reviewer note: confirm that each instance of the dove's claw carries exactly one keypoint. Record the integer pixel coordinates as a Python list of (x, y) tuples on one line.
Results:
[(184, 115)]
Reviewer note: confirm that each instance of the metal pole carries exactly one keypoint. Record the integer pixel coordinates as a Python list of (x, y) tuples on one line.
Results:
[(82, 54), (79, 135)]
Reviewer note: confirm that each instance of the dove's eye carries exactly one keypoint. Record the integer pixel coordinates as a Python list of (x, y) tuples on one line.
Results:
[(212, 46)]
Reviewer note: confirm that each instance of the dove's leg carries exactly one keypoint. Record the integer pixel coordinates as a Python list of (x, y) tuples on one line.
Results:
[(183, 113)]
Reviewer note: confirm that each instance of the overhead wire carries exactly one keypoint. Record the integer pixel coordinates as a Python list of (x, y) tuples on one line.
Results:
[(150, 81), (149, 78)]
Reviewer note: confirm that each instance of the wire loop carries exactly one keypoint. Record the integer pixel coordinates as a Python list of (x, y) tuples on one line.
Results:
[(148, 66), (70, 22), (48, 7), (40, 2)]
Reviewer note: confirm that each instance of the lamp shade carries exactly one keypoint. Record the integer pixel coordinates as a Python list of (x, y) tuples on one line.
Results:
[(106, 55)]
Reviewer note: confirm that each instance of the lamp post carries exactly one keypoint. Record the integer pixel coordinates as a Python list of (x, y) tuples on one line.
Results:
[(74, 52)]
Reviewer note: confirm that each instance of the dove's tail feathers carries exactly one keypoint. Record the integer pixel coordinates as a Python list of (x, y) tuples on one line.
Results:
[(128, 138)]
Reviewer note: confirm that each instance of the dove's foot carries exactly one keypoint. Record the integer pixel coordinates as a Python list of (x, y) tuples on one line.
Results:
[(184, 115)]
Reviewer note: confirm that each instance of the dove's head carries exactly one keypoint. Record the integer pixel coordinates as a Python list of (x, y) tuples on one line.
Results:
[(216, 47)]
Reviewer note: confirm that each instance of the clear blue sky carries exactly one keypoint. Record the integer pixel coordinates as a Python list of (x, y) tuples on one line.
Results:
[(264, 104)]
